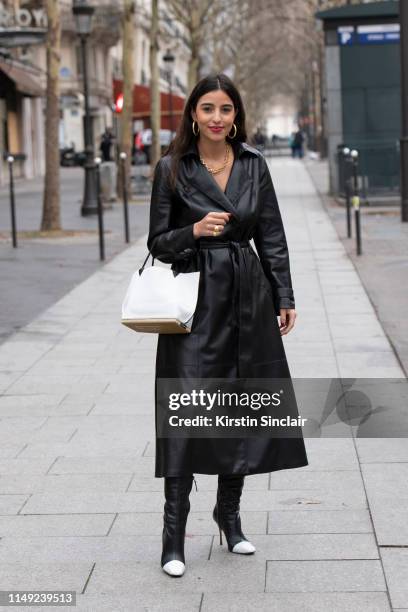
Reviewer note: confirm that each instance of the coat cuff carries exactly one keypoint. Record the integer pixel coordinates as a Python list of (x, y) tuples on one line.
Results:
[(284, 298), (186, 238)]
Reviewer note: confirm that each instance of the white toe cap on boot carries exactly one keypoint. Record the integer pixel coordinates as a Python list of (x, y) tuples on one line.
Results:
[(174, 568), (244, 547)]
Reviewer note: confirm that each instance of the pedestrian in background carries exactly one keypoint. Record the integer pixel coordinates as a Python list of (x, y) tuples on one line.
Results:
[(106, 145), (297, 145)]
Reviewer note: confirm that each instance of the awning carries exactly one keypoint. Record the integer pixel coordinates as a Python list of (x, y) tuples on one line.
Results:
[(26, 80), (141, 103)]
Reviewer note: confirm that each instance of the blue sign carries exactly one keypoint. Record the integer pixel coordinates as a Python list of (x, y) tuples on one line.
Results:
[(345, 35), (377, 34), (377, 38)]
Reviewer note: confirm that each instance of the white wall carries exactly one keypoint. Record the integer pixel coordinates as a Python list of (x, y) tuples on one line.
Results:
[(282, 119)]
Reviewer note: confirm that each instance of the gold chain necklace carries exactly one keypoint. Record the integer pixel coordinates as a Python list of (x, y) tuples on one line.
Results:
[(221, 168)]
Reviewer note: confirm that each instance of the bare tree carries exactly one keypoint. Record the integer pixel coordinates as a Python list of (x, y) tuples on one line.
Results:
[(154, 85), (270, 48), (51, 202), (126, 118), (195, 16)]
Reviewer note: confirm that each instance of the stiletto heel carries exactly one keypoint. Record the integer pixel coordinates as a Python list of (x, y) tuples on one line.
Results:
[(226, 514)]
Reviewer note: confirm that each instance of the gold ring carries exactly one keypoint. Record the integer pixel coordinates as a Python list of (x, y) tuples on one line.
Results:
[(215, 233)]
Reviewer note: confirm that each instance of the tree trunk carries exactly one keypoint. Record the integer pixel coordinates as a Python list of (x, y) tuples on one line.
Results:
[(195, 40), (154, 86), (51, 202), (126, 118)]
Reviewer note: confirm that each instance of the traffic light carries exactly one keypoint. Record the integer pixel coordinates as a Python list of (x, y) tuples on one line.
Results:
[(119, 103)]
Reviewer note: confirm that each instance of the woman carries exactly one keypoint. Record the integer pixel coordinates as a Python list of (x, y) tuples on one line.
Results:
[(211, 194)]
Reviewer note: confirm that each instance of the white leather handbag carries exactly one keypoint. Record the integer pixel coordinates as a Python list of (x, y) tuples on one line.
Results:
[(159, 302)]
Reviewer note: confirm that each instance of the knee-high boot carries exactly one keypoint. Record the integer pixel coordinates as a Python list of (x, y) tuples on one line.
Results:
[(226, 513), (176, 508)]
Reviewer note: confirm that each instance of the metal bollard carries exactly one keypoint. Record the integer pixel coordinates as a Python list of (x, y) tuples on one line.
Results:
[(10, 160), (346, 153), (356, 201), (123, 158), (98, 162)]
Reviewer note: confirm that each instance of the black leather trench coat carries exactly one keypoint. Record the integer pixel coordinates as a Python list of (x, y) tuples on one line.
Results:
[(235, 332)]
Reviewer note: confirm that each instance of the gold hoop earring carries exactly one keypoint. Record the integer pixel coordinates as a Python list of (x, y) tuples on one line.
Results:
[(229, 135), (194, 132)]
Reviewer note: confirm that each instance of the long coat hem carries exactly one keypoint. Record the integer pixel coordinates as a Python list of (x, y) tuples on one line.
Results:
[(275, 468)]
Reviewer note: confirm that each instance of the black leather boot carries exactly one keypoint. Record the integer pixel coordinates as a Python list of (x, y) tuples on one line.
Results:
[(176, 508), (226, 513)]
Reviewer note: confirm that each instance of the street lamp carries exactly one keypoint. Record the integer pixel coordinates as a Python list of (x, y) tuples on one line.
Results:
[(169, 63), (403, 15), (83, 13)]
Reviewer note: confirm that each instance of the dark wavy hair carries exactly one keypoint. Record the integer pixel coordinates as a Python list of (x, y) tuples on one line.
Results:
[(185, 136)]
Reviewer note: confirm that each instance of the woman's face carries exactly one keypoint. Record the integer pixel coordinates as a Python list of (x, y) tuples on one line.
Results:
[(214, 115)]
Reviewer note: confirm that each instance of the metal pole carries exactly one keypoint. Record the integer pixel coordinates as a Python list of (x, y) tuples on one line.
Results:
[(356, 201), (171, 104), (90, 203), (347, 161), (10, 160), (98, 161), (403, 11), (115, 133), (322, 87), (358, 228), (123, 157), (348, 208), (314, 102)]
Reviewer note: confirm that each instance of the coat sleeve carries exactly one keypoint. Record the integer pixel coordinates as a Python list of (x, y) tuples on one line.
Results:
[(270, 242), (166, 243)]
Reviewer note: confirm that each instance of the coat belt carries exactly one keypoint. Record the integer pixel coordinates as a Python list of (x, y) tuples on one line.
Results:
[(242, 297)]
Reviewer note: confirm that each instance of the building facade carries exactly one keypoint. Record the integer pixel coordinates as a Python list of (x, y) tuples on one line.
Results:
[(173, 39), (21, 89), (23, 28)]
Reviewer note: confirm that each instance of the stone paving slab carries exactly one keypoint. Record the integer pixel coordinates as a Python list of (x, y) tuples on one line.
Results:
[(116, 602), (395, 562), (387, 492), (104, 465), (324, 521), (55, 483), (306, 602), (53, 525), (231, 575), (382, 450), (325, 576), (23, 575), (11, 504)]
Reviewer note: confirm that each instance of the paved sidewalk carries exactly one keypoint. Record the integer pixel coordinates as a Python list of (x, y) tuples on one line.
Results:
[(383, 266), (79, 505)]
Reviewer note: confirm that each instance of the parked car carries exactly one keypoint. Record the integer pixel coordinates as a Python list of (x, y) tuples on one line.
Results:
[(70, 157)]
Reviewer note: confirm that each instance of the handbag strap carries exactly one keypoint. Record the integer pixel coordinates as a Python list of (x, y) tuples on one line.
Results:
[(145, 261)]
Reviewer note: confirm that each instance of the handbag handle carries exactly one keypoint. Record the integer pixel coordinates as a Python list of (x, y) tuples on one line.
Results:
[(144, 263)]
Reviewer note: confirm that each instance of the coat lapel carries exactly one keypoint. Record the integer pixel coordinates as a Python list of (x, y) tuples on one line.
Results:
[(238, 182)]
